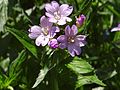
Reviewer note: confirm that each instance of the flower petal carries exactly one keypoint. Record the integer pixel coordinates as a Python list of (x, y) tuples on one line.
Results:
[(74, 30), (119, 25), (55, 5), (62, 21), (68, 19), (115, 29), (80, 40), (53, 31), (49, 8), (80, 43), (71, 31), (49, 15), (44, 22), (53, 20), (62, 38), (42, 40), (67, 30), (63, 45), (57, 29), (33, 35), (71, 50), (81, 37), (65, 10), (74, 50), (77, 50), (35, 31)]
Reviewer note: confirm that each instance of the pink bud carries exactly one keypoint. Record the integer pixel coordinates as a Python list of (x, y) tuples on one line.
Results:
[(80, 20), (53, 43)]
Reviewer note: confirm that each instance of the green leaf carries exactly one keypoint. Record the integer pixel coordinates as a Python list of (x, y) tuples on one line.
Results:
[(15, 66), (116, 40), (14, 70), (5, 63), (23, 38), (117, 36), (82, 80), (80, 66), (41, 76), (2, 79), (3, 13)]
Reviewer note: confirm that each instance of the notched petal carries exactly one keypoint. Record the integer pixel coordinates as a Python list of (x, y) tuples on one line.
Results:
[(62, 38), (62, 45), (67, 30)]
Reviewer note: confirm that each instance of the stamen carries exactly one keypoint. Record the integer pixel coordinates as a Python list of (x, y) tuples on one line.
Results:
[(71, 40), (45, 30), (57, 15)]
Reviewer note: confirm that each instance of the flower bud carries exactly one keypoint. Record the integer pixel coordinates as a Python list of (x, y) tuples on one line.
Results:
[(53, 43), (80, 20)]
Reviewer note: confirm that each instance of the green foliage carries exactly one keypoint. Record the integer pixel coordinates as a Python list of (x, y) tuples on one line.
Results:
[(23, 38), (82, 80), (80, 67), (41, 76), (3, 13), (24, 66), (14, 71)]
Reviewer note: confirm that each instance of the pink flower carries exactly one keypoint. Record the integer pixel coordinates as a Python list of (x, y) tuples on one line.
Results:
[(71, 40), (116, 28), (80, 20), (58, 14), (44, 32)]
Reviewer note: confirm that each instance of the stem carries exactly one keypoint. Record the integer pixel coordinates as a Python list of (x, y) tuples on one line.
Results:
[(53, 80)]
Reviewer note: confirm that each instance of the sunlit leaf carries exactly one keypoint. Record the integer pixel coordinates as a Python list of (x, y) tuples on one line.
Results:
[(82, 80), (5, 63), (80, 66), (23, 38), (16, 64), (116, 40), (117, 36), (3, 13), (41, 76)]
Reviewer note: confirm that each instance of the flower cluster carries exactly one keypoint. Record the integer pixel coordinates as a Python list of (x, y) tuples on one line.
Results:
[(45, 33)]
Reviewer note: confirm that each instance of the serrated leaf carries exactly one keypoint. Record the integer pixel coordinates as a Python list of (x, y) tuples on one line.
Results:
[(82, 80), (23, 38), (41, 76), (80, 66), (3, 13)]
